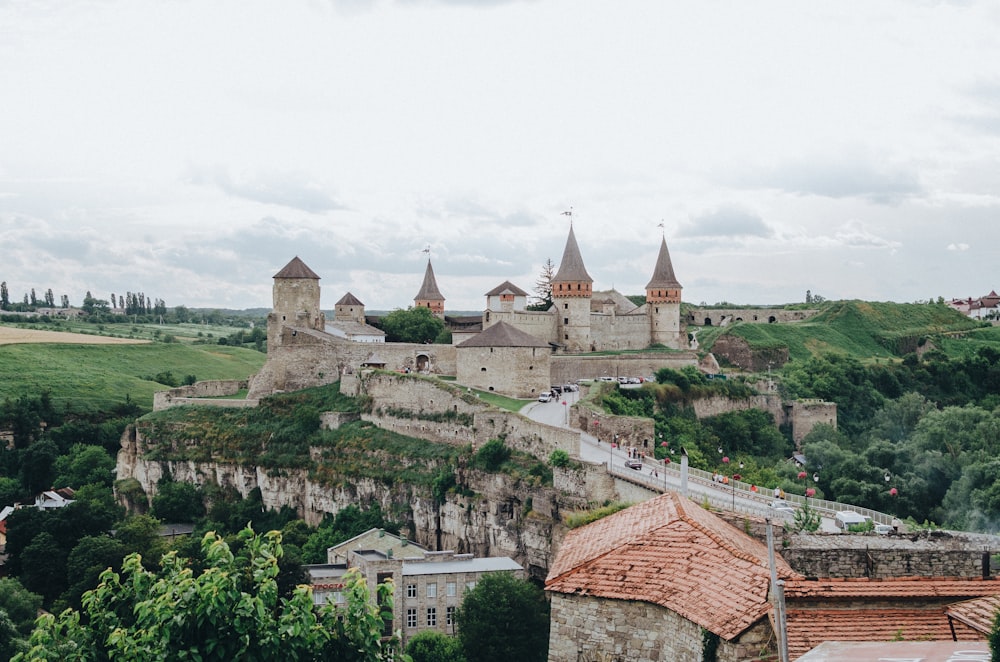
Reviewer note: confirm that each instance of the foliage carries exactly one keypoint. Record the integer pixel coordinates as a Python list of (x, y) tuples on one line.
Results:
[(84, 465), (492, 455), (416, 324), (807, 519), (433, 646), (231, 610), (577, 519), (177, 502), (994, 637), (20, 605), (349, 522), (504, 618), (559, 458)]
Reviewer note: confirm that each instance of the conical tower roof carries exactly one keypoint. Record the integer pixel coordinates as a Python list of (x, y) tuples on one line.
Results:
[(429, 289), (663, 273), (571, 267), (296, 269), (349, 300)]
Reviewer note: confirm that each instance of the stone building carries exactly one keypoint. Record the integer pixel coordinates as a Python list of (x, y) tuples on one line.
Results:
[(506, 360), (660, 580), (429, 586)]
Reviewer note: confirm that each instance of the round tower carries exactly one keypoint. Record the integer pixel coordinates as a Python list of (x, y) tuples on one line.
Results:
[(663, 299), (295, 297), (572, 288)]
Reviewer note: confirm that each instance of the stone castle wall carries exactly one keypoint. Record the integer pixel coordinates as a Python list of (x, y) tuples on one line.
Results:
[(539, 323), (804, 415), (208, 389), (569, 368), (615, 332), (720, 316), (520, 372)]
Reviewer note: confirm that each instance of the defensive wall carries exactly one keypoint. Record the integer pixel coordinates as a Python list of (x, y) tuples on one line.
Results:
[(430, 409), (572, 367), (611, 332), (217, 392), (723, 316)]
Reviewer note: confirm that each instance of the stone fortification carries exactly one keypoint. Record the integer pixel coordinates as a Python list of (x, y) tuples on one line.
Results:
[(195, 394), (569, 368), (614, 332), (307, 358), (430, 409), (724, 316)]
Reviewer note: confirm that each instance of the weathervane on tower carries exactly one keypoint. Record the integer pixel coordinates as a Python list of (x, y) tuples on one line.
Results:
[(569, 213)]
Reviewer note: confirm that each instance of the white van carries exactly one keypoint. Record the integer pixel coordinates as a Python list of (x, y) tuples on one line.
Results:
[(847, 518)]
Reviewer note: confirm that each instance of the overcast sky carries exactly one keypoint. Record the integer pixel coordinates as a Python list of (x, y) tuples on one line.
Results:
[(189, 150)]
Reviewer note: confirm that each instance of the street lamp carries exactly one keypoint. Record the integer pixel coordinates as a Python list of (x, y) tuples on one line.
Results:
[(736, 477)]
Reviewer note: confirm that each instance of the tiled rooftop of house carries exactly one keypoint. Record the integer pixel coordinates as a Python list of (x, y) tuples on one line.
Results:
[(978, 613), (670, 552), (907, 608)]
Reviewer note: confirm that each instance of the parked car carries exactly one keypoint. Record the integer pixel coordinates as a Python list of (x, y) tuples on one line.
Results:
[(633, 463), (545, 396), (556, 389), (883, 529)]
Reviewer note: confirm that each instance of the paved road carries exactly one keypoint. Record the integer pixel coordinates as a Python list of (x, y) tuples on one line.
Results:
[(656, 475)]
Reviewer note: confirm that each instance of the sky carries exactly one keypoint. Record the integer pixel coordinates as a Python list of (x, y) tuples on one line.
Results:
[(188, 150)]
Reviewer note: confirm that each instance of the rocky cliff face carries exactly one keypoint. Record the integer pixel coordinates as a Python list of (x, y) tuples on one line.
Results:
[(504, 517)]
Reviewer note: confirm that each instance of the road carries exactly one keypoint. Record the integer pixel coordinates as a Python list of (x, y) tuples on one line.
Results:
[(655, 474)]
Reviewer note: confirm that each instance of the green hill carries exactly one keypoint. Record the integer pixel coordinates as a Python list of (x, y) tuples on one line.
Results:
[(864, 330), (90, 377)]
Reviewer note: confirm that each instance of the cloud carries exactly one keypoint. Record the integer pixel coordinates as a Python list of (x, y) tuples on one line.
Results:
[(855, 235), (287, 189), (726, 221), (841, 177), (958, 247)]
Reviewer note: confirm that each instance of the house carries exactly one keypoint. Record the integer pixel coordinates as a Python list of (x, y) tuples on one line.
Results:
[(429, 585), (660, 580)]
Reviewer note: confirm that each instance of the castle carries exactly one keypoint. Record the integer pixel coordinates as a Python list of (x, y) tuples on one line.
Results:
[(510, 349)]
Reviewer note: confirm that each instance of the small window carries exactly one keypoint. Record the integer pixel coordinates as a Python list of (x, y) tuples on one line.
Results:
[(411, 617), (470, 586), (449, 616), (432, 590), (411, 590), (432, 617), (450, 589)]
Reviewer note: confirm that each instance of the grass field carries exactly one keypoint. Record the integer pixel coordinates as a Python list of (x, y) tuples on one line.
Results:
[(83, 376), (185, 333)]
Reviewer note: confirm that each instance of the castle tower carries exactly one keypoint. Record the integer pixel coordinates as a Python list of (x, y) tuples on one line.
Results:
[(295, 296), (572, 288), (349, 309), (663, 299), (429, 295)]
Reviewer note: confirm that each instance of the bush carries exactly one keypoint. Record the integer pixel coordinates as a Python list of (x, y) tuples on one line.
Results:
[(492, 455), (559, 458)]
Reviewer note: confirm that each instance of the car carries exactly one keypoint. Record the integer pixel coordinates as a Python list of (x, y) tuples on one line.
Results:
[(633, 463), (782, 506), (883, 529), (556, 389), (634, 380), (572, 388), (545, 396)]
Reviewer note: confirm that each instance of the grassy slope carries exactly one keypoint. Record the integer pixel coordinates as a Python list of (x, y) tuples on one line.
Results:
[(86, 377), (858, 328)]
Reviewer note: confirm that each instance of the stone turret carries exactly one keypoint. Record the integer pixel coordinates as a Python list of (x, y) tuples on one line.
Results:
[(429, 295), (663, 299), (572, 288), (295, 297), (349, 309)]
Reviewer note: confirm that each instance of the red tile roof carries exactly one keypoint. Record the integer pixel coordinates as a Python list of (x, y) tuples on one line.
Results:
[(670, 552), (978, 614), (905, 608)]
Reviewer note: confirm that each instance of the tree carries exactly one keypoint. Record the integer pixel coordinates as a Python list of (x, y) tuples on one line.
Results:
[(415, 324), (504, 618), (177, 502), (20, 604), (4, 296), (433, 646), (50, 298), (83, 465), (543, 287), (231, 610)]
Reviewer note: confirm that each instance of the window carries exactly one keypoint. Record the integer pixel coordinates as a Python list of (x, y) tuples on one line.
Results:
[(411, 617), (432, 617), (432, 590), (470, 586), (449, 616), (411, 590), (450, 589)]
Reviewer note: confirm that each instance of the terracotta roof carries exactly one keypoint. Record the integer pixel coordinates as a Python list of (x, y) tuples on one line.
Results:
[(429, 288), (670, 552), (978, 614), (506, 287), (876, 609), (571, 267), (296, 269), (808, 628), (663, 272), (349, 300), (503, 334), (898, 587)]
